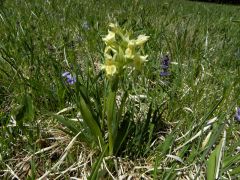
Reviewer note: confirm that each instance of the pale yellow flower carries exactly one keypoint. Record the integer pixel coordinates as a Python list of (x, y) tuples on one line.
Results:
[(114, 27), (110, 68), (129, 52), (110, 53), (126, 37), (121, 51), (143, 58), (139, 60), (110, 38), (142, 39)]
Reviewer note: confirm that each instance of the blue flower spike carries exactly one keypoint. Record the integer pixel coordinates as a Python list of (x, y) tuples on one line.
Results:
[(69, 78), (165, 65), (237, 115)]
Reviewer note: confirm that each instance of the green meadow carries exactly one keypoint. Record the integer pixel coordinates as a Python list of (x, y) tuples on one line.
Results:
[(152, 96)]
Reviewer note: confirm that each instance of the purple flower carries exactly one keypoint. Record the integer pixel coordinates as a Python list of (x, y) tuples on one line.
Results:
[(237, 115), (164, 73), (165, 61), (69, 78), (165, 65)]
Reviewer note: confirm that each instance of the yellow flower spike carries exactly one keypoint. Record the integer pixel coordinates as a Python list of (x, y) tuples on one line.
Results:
[(110, 38), (141, 39), (121, 51)]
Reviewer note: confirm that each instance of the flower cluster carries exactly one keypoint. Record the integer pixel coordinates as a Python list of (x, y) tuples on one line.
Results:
[(165, 65), (237, 115), (121, 51), (69, 77)]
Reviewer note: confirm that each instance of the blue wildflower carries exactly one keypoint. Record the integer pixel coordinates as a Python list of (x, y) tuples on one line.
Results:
[(69, 78), (237, 115), (165, 65)]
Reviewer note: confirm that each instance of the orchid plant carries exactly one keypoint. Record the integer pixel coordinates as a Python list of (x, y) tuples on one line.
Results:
[(120, 53), (102, 124)]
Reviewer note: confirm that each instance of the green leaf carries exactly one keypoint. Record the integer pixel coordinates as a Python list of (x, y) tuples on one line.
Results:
[(25, 112), (211, 165), (70, 125), (97, 164), (151, 128), (90, 121), (111, 119), (167, 144), (74, 128), (144, 129), (214, 161), (122, 133)]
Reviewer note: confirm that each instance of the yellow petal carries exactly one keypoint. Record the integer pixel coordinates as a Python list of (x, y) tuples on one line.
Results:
[(126, 37), (143, 58), (131, 43), (109, 67), (114, 27), (129, 53), (109, 38), (110, 53)]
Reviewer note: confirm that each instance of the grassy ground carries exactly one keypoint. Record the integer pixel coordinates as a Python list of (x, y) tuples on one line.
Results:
[(189, 130)]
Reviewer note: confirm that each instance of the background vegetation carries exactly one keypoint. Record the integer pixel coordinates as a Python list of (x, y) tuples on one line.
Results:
[(221, 1), (182, 126)]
